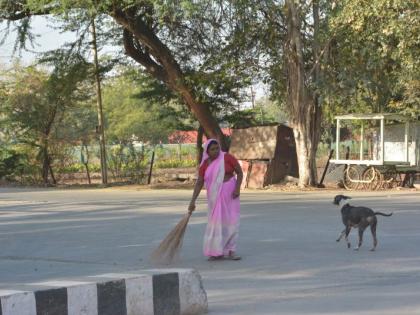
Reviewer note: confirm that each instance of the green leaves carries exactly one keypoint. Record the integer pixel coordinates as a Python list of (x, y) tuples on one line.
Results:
[(376, 66), (11, 162), (139, 108), (35, 101)]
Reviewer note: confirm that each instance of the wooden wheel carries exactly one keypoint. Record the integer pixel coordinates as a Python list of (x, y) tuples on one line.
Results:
[(390, 179), (371, 178), (351, 178)]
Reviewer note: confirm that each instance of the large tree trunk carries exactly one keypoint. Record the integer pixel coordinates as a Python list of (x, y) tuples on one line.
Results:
[(303, 104), (316, 111), (142, 44)]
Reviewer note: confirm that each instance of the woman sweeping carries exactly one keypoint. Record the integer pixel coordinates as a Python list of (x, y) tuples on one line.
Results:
[(217, 172)]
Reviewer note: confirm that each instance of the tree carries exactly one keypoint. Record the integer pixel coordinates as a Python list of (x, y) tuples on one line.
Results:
[(316, 55), (138, 109), (100, 128), (270, 111), (292, 40), (10, 161), (178, 43), (79, 129), (330, 56), (302, 99), (34, 102), (374, 64)]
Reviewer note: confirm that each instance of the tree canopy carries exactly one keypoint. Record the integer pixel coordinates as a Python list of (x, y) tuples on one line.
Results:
[(374, 64), (319, 57)]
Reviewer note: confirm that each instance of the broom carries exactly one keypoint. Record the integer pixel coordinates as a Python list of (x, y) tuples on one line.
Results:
[(170, 247)]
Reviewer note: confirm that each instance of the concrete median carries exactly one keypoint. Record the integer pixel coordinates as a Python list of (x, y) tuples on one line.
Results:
[(149, 292)]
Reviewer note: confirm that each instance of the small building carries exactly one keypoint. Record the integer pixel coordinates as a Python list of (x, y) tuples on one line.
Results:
[(267, 154)]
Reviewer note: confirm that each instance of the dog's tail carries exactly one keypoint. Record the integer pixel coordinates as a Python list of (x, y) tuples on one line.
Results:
[(384, 214)]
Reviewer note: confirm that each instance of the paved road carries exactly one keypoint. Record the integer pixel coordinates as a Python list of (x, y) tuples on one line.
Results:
[(292, 264)]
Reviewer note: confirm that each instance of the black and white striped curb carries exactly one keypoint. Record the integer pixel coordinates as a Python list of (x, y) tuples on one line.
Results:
[(154, 292)]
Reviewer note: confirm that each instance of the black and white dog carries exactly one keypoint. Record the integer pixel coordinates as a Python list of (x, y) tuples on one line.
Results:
[(360, 217)]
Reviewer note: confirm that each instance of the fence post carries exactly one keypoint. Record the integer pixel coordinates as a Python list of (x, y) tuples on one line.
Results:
[(149, 179), (326, 168)]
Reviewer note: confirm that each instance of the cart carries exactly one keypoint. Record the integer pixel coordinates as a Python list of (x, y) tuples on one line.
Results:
[(385, 147)]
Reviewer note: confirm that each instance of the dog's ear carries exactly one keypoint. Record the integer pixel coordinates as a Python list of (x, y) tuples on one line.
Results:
[(337, 199)]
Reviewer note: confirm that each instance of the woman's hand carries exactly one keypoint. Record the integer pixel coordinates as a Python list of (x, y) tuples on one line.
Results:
[(236, 193), (191, 207)]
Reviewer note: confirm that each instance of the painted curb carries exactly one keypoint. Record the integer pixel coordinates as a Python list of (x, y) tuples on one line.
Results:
[(151, 292)]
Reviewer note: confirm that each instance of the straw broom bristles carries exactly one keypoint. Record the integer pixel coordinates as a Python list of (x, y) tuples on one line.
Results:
[(170, 247)]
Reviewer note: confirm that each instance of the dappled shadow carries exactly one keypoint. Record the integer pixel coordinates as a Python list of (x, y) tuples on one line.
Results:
[(291, 262)]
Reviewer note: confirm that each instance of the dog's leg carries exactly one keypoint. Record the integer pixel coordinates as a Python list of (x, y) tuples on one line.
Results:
[(361, 230), (375, 240), (348, 229), (341, 235)]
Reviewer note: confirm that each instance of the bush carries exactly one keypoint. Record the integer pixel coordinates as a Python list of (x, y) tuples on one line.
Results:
[(175, 163), (72, 168), (126, 162), (10, 162), (18, 163)]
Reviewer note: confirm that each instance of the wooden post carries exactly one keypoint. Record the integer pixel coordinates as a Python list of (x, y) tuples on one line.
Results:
[(326, 168), (337, 144), (149, 179), (407, 131), (382, 142), (361, 141), (84, 161)]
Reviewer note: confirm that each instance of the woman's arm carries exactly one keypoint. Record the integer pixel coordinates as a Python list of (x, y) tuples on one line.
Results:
[(239, 178), (197, 189)]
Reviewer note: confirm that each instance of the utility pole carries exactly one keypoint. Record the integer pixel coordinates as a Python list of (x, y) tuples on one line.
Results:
[(100, 129)]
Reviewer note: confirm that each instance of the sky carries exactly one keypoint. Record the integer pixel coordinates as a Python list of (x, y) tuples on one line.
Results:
[(47, 39)]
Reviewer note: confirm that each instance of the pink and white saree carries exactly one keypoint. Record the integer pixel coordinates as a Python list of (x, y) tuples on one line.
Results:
[(223, 211)]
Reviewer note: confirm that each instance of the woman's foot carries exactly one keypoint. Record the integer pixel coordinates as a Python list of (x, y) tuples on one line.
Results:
[(212, 258), (233, 256)]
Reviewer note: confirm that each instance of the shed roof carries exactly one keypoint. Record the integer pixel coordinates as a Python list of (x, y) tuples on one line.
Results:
[(374, 116)]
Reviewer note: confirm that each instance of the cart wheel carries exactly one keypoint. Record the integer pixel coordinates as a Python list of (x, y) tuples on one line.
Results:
[(351, 178), (372, 178), (390, 179), (379, 180)]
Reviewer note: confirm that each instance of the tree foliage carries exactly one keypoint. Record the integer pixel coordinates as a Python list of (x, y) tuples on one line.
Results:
[(196, 49), (34, 103), (374, 64), (135, 112), (319, 57)]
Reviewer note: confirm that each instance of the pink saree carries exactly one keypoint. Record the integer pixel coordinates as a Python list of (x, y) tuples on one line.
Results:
[(223, 211)]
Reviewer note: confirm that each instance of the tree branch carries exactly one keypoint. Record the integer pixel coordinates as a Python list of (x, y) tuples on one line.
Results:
[(270, 18), (158, 50), (21, 13), (318, 58), (144, 59)]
